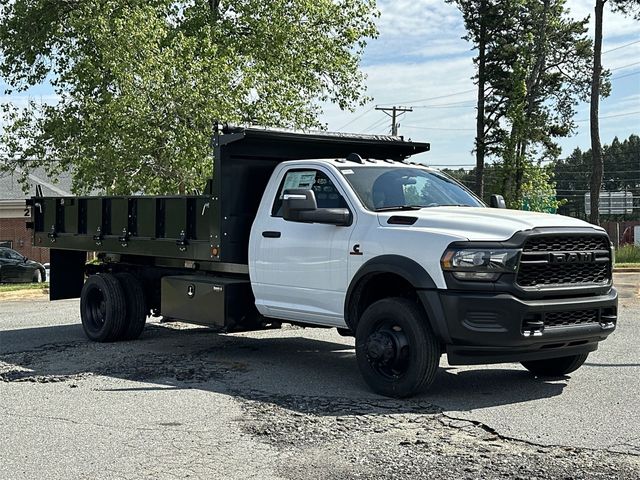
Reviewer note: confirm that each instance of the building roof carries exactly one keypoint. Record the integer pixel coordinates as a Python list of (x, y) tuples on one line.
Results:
[(11, 188)]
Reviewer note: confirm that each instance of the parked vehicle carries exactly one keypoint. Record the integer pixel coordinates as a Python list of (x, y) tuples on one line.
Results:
[(338, 230), (16, 268)]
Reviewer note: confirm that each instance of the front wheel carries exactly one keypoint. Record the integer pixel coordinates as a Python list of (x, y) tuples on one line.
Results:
[(397, 352), (555, 367)]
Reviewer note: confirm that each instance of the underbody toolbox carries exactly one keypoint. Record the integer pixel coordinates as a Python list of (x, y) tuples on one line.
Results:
[(216, 301)]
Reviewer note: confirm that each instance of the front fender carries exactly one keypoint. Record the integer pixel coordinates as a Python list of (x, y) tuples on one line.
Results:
[(413, 273)]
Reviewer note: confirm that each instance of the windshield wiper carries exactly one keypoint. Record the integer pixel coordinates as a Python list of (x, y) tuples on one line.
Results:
[(452, 205), (398, 207)]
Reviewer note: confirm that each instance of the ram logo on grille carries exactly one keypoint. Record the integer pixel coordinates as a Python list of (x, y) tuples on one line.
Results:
[(572, 257), (556, 261)]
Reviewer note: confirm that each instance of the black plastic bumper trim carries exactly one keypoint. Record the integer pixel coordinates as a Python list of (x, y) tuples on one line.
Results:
[(479, 327)]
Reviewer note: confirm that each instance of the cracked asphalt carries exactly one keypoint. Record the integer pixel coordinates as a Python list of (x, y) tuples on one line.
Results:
[(186, 402)]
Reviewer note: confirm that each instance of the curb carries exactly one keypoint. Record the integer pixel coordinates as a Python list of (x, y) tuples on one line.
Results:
[(626, 270)]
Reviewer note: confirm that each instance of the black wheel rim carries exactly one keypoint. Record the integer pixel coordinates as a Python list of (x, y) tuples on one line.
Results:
[(95, 310), (388, 350)]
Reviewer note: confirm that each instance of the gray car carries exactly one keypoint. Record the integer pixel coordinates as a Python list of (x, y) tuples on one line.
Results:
[(16, 268)]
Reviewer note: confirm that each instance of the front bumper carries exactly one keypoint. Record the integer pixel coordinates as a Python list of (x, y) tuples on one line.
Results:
[(499, 327)]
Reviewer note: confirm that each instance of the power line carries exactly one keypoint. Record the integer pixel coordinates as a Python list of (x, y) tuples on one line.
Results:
[(445, 106), (473, 130), (616, 172), (582, 196), (375, 124), (559, 163), (452, 165), (621, 46), (355, 119), (625, 75), (624, 66), (612, 116), (443, 129), (432, 98)]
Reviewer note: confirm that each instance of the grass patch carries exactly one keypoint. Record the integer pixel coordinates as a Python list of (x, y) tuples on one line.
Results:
[(627, 254), (14, 287), (622, 266)]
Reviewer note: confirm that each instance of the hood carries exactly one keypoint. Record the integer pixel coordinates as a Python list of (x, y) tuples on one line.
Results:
[(482, 224)]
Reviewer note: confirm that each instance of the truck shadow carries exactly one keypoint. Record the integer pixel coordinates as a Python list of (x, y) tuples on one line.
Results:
[(308, 371)]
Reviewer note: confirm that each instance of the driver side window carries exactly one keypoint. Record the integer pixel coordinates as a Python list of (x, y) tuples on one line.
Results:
[(327, 195)]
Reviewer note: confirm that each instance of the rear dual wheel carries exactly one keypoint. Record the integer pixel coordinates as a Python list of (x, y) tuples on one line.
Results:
[(136, 306), (112, 307), (102, 308)]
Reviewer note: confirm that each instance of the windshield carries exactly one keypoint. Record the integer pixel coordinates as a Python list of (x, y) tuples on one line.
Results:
[(391, 188)]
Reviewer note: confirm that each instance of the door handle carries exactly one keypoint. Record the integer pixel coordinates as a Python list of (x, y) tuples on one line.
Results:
[(271, 234)]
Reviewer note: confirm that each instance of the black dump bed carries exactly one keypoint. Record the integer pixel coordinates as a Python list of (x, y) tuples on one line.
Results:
[(212, 228)]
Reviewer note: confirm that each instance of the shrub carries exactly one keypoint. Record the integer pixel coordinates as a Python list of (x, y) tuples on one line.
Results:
[(628, 254)]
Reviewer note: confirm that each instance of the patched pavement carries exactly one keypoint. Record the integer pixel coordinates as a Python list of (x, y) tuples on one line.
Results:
[(186, 401)]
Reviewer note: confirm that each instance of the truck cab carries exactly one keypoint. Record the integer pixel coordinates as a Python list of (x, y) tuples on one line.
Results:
[(344, 231)]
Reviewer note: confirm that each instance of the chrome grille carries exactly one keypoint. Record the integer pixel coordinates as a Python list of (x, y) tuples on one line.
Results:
[(564, 260)]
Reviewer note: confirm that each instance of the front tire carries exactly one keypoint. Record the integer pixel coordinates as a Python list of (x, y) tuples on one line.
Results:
[(397, 352), (555, 367), (102, 308)]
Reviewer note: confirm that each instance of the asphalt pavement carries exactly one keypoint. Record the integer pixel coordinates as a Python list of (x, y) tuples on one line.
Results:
[(184, 401)]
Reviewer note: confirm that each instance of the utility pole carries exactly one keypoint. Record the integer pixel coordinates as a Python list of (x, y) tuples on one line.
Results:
[(395, 113)]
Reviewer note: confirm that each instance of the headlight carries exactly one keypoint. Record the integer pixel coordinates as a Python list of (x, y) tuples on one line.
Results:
[(480, 263)]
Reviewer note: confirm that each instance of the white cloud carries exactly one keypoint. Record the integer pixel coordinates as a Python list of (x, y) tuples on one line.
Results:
[(410, 18), (614, 25), (420, 54)]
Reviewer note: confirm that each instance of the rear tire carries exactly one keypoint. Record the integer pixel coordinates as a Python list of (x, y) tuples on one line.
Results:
[(102, 308), (555, 367), (397, 352), (135, 306)]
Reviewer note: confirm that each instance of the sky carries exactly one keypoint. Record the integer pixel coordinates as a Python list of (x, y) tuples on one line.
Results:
[(420, 60)]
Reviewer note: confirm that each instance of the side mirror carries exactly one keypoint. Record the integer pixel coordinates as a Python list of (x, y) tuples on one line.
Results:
[(298, 200), (497, 201), (299, 205)]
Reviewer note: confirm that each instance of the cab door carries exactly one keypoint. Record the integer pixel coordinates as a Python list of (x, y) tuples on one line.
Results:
[(299, 270)]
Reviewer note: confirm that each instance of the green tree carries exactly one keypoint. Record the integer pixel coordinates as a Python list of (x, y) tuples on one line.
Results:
[(485, 22), (140, 82), (536, 69), (627, 7), (621, 172), (539, 190)]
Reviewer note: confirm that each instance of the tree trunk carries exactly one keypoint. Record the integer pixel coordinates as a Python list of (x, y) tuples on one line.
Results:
[(480, 133), (596, 147), (214, 7), (520, 158)]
